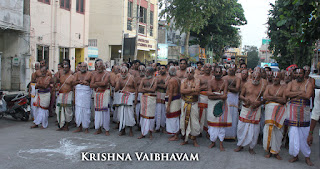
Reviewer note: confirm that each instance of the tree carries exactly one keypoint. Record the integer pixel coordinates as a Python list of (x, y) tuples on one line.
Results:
[(221, 32), (252, 53), (292, 32), (190, 15)]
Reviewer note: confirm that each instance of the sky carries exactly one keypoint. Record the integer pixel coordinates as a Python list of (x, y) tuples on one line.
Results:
[(256, 13)]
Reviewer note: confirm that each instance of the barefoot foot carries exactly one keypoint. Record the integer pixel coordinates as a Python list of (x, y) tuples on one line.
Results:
[(141, 137), (212, 145), (251, 151), (294, 159), (238, 149), (277, 156), (107, 133), (308, 161)]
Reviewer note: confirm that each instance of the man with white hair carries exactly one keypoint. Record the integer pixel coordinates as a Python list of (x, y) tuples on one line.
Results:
[(189, 119), (148, 87), (248, 126), (125, 98), (83, 93), (173, 104), (101, 85)]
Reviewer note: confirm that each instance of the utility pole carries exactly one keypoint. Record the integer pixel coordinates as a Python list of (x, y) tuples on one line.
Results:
[(137, 30)]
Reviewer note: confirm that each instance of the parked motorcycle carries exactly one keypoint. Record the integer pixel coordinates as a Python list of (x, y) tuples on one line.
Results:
[(15, 105)]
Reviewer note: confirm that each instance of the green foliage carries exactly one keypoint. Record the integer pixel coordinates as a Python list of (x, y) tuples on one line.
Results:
[(291, 31), (252, 53)]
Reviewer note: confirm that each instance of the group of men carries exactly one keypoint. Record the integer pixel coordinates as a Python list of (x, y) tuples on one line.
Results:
[(226, 104)]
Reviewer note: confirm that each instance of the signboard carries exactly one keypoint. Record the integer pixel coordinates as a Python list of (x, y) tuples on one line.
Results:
[(91, 65), (162, 51), (15, 61), (93, 52), (264, 64), (265, 41)]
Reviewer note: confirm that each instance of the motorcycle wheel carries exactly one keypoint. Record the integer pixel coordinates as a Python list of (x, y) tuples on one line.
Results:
[(25, 115)]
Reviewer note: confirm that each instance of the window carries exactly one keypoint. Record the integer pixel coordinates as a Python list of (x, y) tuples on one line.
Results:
[(142, 29), (45, 1), (151, 17), (129, 9), (142, 14), (65, 4), (80, 6), (63, 54), (43, 53), (93, 42)]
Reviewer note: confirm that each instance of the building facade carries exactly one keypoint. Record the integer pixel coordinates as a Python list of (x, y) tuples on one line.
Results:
[(114, 25), (59, 30), (14, 44)]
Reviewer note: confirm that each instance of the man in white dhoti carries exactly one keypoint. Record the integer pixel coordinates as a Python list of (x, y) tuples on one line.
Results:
[(101, 85), (64, 101), (315, 116), (248, 125), (148, 87), (160, 114), (233, 101), (173, 105), (218, 116), (189, 119), (33, 90), (126, 89), (142, 73), (275, 115), (299, 92), (42, 101), (83, 93)]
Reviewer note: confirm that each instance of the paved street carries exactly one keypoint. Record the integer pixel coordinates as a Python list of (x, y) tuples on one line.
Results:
[(22, 147)]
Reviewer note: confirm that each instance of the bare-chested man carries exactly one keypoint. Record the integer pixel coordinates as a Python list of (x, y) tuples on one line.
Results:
[(42, 101), (113, 79), (232, 101), (269, 77), (101, 85), (134, 68), (83, 93), (126, 89), (173, 104), (248, 125), (142, 73), (287, 77), (161, 93), (189, 119), (203, 97), (64, 102), (32, 90), (243, 66), (275, 114), (218, 119), (148, 87), (198, 70), (299, 92), (244, 78), (181, 74)]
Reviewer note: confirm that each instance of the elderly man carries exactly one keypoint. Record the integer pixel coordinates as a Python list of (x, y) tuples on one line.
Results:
[(173, 104), (203, 98), (189, 119), (233, 100), (148, 87), (275, 115), (42, 100), (83, 92), (218, 116), (299, 92), (64, 101), (161, 93), (101, 85), (126, 89), (248, 126)]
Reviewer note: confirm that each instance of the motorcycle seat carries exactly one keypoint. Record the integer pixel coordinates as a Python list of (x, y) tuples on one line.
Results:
[(10, 97)]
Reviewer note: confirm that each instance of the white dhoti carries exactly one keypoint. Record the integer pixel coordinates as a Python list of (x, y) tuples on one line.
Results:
[(299, 122), (248, 127), (125, 110), (233, 103), (33, 94), (218, 121), (147, 113), (189, 119), (82, 105), (160, 114), (272, 132), (42, 103), (64, 108), (102, 112), (172, 118), (138, 107), (203, 106)]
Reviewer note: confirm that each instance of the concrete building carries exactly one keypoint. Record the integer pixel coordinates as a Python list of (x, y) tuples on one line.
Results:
[(264, 52), (14, 44), (59, 30), (115, 20)]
